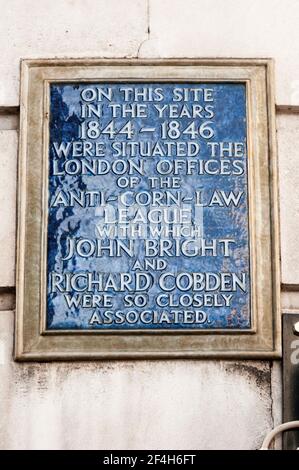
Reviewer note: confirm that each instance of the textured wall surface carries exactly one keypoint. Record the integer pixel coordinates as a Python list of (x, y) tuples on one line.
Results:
[(144, 404), (288, 144), (150, 28)]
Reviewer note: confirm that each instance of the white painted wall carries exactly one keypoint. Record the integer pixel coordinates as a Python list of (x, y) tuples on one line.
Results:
[(144, 404), (133, 405), (150, 28)]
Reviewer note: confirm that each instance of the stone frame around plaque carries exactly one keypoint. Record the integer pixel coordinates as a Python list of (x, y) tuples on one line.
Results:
[(32, 340)]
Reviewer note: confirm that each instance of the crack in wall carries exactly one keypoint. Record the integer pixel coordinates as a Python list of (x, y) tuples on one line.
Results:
[(271, 395), (275, 402), (148, 29)]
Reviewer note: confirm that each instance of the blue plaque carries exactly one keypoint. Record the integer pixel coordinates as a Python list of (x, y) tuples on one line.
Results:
[(147, 210), (148, 207)]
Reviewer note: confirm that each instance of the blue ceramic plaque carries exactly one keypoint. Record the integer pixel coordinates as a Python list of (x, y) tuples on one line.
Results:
[(148, 225)]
